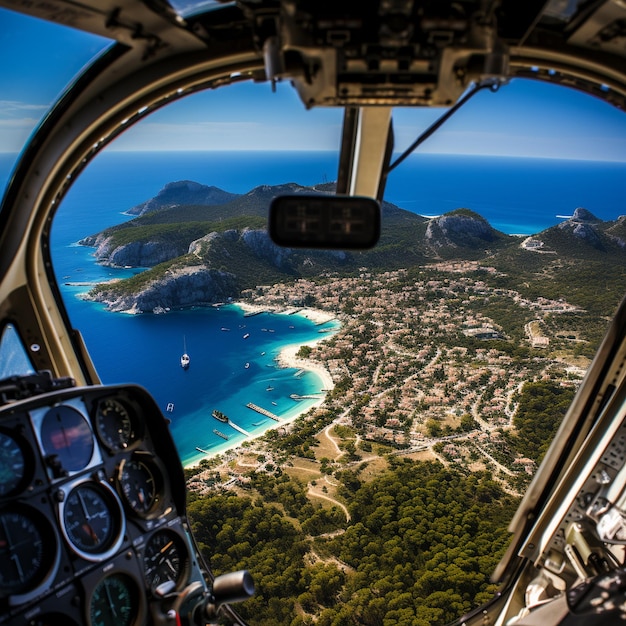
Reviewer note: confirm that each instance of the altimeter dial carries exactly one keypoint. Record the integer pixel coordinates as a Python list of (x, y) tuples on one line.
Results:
[(165, 559), (92, 520)]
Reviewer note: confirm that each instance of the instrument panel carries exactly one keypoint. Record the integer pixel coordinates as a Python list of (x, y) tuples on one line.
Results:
[(92, 510)]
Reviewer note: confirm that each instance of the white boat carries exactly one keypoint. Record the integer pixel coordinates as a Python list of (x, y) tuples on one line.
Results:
[(184, 359)]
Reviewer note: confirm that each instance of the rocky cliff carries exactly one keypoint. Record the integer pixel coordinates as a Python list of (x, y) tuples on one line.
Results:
[(461, 231), (133, 254), (176, 288)]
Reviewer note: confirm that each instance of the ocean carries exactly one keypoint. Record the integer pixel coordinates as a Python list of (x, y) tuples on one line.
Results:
[(516, 195)]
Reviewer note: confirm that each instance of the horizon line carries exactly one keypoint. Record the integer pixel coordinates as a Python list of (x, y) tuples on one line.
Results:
[(334, 150)]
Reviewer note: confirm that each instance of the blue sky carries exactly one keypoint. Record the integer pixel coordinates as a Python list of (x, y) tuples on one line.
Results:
[(524, 118)]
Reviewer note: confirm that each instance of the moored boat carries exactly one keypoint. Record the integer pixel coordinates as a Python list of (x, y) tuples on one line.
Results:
[(184, 359), (218, 415)]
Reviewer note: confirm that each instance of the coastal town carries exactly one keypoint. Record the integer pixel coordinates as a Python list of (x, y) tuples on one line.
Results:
[(420, 367)]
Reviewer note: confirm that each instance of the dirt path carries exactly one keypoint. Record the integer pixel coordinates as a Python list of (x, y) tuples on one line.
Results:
[(342, 506)]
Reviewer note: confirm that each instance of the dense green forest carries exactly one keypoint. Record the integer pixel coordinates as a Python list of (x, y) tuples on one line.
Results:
[(417, 551), (541, 409)]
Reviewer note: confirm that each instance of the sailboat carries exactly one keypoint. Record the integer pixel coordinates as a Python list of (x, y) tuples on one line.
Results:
[(184, 359)]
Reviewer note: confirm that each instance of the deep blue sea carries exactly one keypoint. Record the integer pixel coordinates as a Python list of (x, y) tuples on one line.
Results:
[(517, 196)]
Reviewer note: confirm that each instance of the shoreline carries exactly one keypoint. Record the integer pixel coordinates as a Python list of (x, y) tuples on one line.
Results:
[(317, 316), (286, 359)]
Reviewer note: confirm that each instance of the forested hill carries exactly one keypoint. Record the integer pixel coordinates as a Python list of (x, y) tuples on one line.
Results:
[(419, 549), (205, 244)]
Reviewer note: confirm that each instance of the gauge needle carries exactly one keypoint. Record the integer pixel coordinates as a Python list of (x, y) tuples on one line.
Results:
[(83, 506), (90, 532), (14, 556), (166, 547), (109, 598)]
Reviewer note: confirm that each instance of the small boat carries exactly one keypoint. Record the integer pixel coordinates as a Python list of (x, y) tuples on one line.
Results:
[(170, 407), (246, 335), (224, 329), (247, 365), (184, 359), (269, 388), (274, 403), (220, 434)]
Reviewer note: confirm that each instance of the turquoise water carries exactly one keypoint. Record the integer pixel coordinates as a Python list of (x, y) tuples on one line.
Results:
[(227, 370), (517, 196)]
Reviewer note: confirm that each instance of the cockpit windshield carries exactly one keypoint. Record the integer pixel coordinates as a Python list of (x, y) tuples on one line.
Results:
[(356, 428)]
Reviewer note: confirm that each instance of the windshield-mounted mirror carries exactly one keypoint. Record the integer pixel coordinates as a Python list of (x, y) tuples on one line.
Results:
[(326, 222)]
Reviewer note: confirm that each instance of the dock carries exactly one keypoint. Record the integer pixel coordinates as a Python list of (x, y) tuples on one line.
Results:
[(263, 411), (241, 430), (309, 396), (202, 450)]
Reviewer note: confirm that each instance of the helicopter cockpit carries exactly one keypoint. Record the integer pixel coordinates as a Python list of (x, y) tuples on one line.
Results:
[(94, 526)]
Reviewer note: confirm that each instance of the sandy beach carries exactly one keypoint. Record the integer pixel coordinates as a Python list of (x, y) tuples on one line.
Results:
[(315, 315), (286, 358)]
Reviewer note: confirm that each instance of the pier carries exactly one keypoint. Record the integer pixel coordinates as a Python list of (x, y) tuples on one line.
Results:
[(241, 430), (310, 396), (263, 411)]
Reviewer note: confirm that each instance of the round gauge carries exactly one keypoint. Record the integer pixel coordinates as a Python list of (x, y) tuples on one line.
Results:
[(13, 470), (114, 425), (91, 519), (65, 433), (114, 601), (141, 485), (27, 549), (165, 559)]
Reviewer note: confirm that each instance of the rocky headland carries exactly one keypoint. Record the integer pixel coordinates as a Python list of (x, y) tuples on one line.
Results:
[(203, 245)]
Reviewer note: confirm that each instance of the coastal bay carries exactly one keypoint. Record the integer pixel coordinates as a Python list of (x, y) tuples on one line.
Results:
[(294, 369)]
